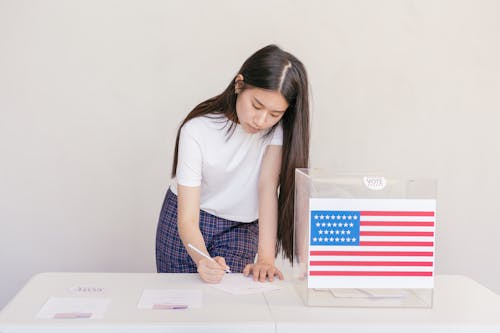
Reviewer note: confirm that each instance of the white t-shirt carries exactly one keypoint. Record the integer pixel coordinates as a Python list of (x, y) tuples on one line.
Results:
[(225, 165)]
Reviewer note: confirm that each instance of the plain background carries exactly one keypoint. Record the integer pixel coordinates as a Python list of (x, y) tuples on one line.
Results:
[(92, 92)]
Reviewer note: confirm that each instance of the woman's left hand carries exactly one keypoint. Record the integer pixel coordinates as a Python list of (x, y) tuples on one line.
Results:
[(261, 271)]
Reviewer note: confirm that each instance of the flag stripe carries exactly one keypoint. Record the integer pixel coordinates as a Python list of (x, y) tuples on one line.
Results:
[(395, 213), (396, 223), (395, 233), (371, 263), (371, 253), (396, 243), (361, 273)]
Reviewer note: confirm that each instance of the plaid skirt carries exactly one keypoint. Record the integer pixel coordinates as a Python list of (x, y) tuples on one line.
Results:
[(235, 241)]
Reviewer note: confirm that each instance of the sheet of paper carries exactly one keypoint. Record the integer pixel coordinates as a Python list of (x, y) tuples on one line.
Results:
[(387, 293), (74, 308), (238, 284), (368, 293), (170, 299), (349, 293)]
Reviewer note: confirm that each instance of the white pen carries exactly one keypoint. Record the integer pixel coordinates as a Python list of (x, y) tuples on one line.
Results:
[(203, 254)]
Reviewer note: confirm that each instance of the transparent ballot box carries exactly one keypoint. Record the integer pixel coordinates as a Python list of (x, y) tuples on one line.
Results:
[(363, 240)]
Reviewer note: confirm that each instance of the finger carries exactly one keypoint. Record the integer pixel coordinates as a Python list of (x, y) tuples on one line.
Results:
[(270, 274), (280, 274), (263, 274), (222, 263), (256, 272), (247, 269)]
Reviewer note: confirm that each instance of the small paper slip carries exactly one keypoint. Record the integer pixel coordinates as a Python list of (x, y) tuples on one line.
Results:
[(238, 284), (163, 299), (74, 308), (368, 293)]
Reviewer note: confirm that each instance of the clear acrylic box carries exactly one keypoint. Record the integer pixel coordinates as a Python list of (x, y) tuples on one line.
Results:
[(364, 240)]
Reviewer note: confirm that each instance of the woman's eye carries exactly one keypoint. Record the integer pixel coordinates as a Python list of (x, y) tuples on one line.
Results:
[(275, 115), (256, 107)]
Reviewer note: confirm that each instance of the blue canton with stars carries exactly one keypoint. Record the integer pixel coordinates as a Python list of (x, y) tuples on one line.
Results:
[(337, 228)]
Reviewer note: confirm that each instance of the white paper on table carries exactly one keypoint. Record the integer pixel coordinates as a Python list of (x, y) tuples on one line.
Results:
[(238, 284), (184, 297), (68, 306)]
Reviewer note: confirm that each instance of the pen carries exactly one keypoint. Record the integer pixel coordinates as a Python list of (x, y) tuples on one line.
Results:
[(227, 270)]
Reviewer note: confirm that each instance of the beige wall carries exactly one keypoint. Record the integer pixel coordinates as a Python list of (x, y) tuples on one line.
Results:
[(91, 93)]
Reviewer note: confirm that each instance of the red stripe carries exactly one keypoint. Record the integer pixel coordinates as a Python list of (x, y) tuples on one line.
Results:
[(355, 273), (396, 224), (375, 213), (371, 263), (372, 253), (395, 233), (396, 243)]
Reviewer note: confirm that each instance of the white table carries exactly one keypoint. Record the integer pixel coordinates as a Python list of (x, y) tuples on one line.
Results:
[(460, 305), (220, 312)]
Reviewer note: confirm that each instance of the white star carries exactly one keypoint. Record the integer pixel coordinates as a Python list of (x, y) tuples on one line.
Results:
[(320, 239), (327, 217), (343, 217), (331, 239), (346, 225), (320, 232), (316, 216), (331, 232), (315, 239), (337, 232), (333, 217), (348, 232), (355, 217), (347, 239), (317, 224), (342, 239), (338, 217), (323, 224), (351, 225), (342, 232), (321, 217), (334, 224), (328, 224), (337, 239), (353, 239), (349, 217)]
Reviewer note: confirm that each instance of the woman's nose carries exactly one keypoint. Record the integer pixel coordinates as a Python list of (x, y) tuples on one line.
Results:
[(260, 118)]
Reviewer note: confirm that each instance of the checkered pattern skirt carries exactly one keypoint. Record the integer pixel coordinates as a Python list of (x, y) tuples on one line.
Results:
[(235, 241)]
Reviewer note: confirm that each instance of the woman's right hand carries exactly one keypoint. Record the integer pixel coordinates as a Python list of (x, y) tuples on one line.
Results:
[(212, 272)]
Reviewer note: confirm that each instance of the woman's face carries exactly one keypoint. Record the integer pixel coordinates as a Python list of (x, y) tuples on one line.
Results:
[(259, 109)]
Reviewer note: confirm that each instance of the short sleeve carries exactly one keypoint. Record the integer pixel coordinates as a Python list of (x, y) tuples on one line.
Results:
[(189, 159), (277, 138)]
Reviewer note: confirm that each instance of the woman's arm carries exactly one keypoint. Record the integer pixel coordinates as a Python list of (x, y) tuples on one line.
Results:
[(188, 217), (268, 216)]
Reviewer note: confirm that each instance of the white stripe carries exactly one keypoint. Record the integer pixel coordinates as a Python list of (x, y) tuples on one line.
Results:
[(368, 258), (399, 218), (369, 268), (385, 228), (396, 239), (374, 248)]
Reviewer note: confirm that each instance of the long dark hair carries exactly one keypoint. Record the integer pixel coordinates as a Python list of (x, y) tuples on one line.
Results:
[(271, 68)]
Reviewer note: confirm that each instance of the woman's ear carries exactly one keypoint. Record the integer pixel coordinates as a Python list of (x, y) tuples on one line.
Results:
[(238, 83)]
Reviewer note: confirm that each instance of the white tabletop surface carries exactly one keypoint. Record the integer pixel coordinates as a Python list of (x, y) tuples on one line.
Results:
[(220, 311), (460, 305)]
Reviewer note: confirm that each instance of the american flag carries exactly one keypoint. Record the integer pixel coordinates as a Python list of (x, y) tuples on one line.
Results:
[(371, 243)]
